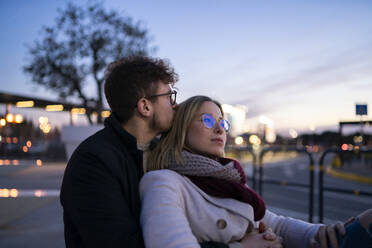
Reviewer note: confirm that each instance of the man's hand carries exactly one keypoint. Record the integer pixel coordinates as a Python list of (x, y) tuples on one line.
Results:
[(328, 232)]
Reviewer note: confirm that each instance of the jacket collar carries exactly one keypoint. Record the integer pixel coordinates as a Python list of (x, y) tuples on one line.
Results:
[(128, 140)]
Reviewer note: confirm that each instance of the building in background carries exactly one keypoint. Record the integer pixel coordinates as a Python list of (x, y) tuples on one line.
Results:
[(237, 116)]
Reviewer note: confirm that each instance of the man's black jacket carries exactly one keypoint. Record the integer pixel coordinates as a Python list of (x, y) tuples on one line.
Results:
[(100, 191)]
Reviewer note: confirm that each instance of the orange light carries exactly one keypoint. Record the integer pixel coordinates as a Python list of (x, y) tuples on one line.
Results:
[(105, 113), (13, 193), (4, 193), (15, 162), (39, 162), (25, 104), (43, 119), (7, 162), (25, 149), (9, 117), (8, 140), (344, 147), (57, 107), (2, 122), (28, 144), (1, 162), (39, 193), (18, 118), (78, 111), (15, 140)]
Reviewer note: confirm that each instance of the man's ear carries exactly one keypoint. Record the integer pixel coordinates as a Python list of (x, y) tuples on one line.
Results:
[(144, 107)]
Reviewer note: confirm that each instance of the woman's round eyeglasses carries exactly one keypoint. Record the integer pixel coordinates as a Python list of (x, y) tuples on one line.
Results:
[(209, 121)]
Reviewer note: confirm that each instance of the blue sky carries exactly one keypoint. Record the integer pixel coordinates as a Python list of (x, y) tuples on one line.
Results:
[(300, 63)]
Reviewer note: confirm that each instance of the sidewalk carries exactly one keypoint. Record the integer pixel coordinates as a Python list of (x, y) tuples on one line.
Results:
[(43, 228)]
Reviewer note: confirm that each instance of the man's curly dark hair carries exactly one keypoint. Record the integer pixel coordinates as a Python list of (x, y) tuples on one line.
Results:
[(129, 79)]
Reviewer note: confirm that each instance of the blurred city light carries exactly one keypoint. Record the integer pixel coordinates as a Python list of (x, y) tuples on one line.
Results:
[(44, 125), (4, 193), (43, 119), (13, 193), (18, 119), (358, 139), (78, 111), (2, 122), (25, 104), (24, 149), (350, 148), (39, 193), (9, 117), (254, 139), (15, 140), (270, 135), (293, 133), (344, 147), (105, 113), (239, 140), (28, 143), (57, 107), (39, 162)]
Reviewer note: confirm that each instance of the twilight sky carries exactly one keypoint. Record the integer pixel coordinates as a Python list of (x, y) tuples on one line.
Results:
[(300, 63)]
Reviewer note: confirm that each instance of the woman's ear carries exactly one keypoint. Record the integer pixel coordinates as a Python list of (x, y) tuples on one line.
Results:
[(144, 107)]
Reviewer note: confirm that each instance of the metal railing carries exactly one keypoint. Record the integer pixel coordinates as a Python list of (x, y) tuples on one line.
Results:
[(288, 183), (321, 187)]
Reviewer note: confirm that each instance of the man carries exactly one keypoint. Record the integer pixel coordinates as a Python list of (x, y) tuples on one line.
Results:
[(99, 191), (99, 194)]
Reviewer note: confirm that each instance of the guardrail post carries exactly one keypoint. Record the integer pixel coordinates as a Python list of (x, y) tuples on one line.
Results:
[(254, 171), (311, 181)]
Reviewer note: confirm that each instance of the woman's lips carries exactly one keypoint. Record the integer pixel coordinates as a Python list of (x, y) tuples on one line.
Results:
[(217, 140)]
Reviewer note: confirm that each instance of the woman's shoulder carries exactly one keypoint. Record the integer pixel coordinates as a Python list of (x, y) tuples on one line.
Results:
[(164, 176), (161, 174)]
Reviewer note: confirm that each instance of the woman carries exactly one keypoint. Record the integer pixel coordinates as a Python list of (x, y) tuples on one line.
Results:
[(193, 194)]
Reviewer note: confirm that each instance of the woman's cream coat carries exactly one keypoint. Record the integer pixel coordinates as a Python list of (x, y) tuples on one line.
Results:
[(176, 213)]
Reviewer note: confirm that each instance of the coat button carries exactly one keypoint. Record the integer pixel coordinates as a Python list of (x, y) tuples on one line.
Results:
[(221, 224)]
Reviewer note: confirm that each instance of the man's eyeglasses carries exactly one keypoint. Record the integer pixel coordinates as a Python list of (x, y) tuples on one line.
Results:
[(209, 121), (172, 96)]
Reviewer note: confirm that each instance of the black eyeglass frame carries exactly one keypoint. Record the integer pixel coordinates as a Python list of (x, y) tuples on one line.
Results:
[(171, 99)]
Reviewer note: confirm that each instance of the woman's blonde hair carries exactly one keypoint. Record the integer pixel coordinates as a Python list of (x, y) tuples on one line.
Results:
[(171, 144)]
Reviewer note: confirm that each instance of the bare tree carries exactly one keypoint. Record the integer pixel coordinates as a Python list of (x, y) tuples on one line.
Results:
[(75, 51)]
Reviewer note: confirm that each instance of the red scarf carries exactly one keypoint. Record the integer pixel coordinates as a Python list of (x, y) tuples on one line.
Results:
[(220, 184)]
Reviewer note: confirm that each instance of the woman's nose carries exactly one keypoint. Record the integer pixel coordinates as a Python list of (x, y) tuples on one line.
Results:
[(218, 128)]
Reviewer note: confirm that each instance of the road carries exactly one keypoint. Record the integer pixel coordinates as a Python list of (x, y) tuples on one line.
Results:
[(34, 217), (294, 201)]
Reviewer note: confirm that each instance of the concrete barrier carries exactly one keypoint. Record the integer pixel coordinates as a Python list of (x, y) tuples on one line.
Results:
[(72, 136)]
